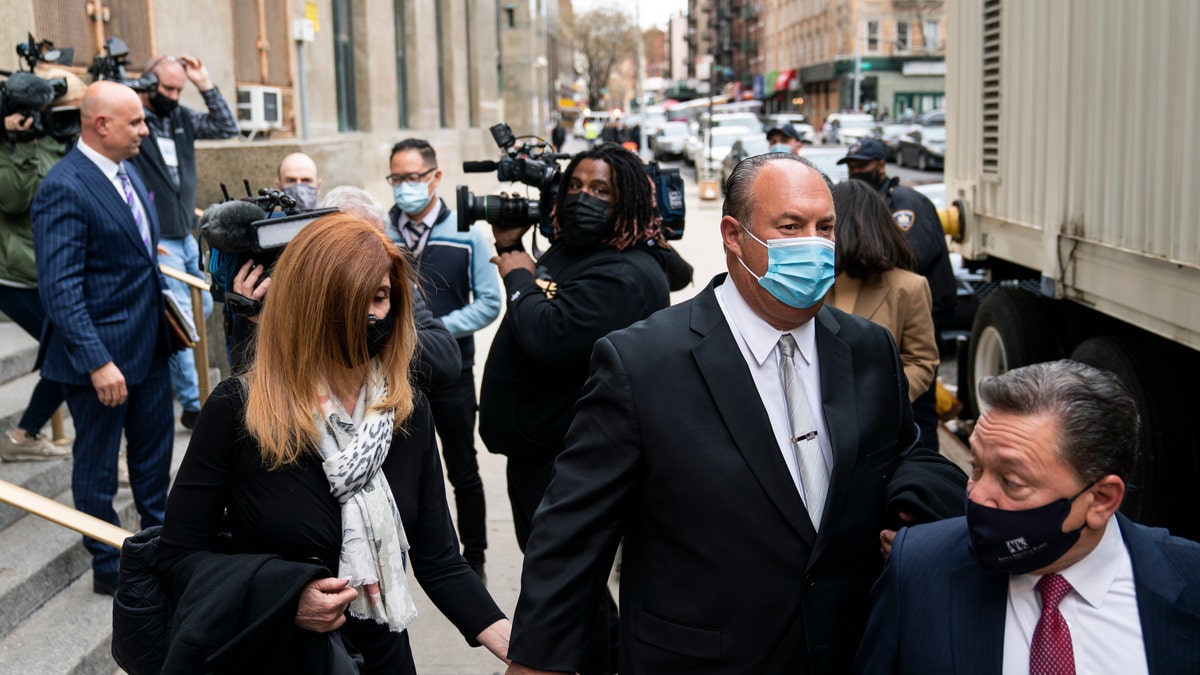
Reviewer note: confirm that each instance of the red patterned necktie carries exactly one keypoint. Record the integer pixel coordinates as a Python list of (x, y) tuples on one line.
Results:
[(1051, 652)]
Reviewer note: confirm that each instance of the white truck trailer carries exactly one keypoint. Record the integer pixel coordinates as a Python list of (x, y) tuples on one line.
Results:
[(1074, 161)]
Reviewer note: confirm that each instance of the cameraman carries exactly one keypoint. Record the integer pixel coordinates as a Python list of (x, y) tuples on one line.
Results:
[(168, 166), (599, 275), (24, 162)]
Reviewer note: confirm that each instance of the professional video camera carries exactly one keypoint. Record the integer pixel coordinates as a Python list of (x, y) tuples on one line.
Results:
[(256, 227), (28, 95), (111, 66), (533, 164)]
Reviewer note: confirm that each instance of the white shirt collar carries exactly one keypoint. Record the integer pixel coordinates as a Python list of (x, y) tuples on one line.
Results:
[(1091, 577), (107, 166), (760, 336)]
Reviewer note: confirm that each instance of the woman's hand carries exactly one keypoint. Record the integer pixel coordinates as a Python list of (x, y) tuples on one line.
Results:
[(323, 604), (495, 638)]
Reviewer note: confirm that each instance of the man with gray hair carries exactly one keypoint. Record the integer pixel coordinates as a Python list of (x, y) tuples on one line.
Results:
[(748, 446), (1042, 575)]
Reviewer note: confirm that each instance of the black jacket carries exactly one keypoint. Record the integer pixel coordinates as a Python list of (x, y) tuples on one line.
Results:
[(539, 357), (917, 217)]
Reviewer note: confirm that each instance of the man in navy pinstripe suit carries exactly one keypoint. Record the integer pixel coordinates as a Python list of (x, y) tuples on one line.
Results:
[(1043, 575), (95, 236)]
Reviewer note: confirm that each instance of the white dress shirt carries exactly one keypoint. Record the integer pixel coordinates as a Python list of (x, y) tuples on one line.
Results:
[(759, 341), (1101, 612), (109, 168)]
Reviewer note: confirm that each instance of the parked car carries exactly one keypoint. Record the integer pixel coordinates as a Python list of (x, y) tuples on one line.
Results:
[(932, 118), (923, 148), (669, 141), (708, 158), (747, 146), (889, 134), (826, 159), (807, 133), (848, 128), (742, 119)]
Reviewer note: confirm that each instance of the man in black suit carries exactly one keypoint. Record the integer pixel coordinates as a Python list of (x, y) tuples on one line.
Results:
[(1043, 575), (751, 519)]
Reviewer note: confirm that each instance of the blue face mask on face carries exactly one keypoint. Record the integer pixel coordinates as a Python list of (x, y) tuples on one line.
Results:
[(781, 147), (411, 197), (799, 269)]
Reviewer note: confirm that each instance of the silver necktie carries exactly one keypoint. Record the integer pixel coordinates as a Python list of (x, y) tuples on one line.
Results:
[(814, 474)]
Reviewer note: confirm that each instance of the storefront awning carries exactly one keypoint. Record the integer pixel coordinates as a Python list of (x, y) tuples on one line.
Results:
[(785, 78)]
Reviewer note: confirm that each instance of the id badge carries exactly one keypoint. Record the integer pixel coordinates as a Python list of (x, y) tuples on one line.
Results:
[(166, 146)]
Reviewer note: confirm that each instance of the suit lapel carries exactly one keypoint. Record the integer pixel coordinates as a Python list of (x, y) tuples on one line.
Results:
[(978, 606), (736, 397), (840, 410), (1159, 589), (106, 197)]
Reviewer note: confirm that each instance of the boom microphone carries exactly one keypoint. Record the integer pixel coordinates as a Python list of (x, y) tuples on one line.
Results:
[(226, 226)]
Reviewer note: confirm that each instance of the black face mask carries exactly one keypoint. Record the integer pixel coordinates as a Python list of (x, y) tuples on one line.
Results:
[(1019, 542), (869, 177), (162, 105), (378, 332), (584, 220)]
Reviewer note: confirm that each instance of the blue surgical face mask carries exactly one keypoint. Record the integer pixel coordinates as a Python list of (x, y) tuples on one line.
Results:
[(781, 147), (799, 269), (411, 198)]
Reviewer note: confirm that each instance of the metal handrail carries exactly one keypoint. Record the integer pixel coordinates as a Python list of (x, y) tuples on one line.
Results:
[(197, 286), (61, 514)]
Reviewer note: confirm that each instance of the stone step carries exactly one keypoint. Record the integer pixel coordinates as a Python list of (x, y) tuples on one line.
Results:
[(71, 633), (17, 352), (41, 558)]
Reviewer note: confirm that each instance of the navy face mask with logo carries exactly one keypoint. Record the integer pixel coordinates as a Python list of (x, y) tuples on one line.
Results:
[(1019, 542)]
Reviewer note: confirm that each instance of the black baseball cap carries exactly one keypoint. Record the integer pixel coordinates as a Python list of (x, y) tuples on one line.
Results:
[(866, 149), (787, 130)]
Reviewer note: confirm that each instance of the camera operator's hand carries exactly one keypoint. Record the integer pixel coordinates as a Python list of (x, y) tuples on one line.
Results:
[(18, 122), (508, 236), (196, 72), (513, 260), (246, 283)]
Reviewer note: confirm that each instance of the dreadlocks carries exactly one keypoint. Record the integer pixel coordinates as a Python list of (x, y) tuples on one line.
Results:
[(637, 218)]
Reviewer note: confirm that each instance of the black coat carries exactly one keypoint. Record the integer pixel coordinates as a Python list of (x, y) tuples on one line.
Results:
[(672, 451), (539, 358), (917, 217)]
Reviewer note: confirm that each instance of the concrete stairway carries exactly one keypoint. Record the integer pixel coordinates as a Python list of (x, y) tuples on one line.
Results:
[(50, 620)]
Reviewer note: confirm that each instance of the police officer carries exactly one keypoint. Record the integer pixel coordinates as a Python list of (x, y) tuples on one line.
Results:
[(917, 217)]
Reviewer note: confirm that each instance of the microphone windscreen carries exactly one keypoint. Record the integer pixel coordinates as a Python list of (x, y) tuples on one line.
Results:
[(226, 226)]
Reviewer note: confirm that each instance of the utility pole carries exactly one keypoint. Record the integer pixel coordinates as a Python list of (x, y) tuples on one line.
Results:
[(858, 50)]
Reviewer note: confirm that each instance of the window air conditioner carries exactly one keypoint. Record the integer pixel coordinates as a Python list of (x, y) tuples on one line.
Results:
[(259, 108)]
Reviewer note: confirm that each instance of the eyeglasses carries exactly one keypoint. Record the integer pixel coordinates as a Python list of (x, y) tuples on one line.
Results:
[(395, 179)]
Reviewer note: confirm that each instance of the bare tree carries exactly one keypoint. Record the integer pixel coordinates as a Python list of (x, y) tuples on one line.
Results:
[(603, 38)]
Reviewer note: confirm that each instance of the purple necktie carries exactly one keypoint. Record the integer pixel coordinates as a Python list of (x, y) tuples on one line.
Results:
[(135, 206), (1051, 652)]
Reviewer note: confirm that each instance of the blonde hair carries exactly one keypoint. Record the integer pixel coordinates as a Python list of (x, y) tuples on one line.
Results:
[(314, 325)]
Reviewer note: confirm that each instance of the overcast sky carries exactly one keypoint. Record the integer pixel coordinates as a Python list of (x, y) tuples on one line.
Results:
[(654, 12)]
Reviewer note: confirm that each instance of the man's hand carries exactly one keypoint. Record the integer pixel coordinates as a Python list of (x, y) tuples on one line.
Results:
[(17, 122), (513, 260), (196, 72), (245, 284), (323, 604), (508, 236), (109, 382), (887, 536)]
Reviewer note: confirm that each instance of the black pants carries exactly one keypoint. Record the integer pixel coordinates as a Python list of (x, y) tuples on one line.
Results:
[(453, 406), (527, 483)]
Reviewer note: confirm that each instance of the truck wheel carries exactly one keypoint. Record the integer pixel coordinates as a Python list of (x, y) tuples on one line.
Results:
[(1012, 328), (1166, 466)]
